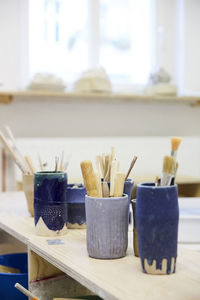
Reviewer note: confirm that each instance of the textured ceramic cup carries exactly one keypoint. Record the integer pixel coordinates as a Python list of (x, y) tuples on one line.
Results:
[(28, 190), (157, 215), (76, 206), (107, 226), (50, 203)]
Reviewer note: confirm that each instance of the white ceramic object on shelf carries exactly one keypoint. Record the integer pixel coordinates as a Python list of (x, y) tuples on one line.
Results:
[(43, 81), (93, 81)]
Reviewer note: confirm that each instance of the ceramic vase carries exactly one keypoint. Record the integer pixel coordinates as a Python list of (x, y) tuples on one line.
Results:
[(76, 206), (107, 226), (28, 190), (157, 215), (50, 203)]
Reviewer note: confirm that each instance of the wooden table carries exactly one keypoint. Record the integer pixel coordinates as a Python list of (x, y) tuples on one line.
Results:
[(110, 279)]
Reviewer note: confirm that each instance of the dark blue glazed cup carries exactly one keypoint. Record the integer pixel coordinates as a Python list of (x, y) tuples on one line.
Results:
[(128, 187), (157, 216), (76, 206), (50, 203)]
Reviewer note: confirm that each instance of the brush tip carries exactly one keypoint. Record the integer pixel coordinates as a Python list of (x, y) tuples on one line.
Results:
[(175, 142), (168, 164)]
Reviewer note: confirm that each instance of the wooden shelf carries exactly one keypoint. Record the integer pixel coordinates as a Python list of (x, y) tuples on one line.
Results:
[(110, 279), (9, 96)]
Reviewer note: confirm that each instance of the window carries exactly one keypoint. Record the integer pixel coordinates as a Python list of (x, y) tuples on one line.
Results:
[(68, 37)]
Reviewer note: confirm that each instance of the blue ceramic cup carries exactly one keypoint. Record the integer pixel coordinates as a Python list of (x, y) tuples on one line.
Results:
[(128, 187), (157, 215), (76, 206), (50, 203)]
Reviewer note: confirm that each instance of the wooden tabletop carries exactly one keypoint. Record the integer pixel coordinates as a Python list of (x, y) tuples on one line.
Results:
[(110, 279)]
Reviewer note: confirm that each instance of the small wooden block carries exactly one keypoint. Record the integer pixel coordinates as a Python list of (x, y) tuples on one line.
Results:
[(6, 99)]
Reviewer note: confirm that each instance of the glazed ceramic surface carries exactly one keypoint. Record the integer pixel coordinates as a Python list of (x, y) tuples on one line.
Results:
[(128, 187), (157, 215), (76, 206), (50, 203), (107, 226)]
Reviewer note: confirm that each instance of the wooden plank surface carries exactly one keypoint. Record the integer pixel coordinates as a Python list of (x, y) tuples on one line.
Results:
[(125, 97), (110, 279)]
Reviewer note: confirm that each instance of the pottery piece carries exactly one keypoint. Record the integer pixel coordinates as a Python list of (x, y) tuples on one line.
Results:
[(50, 203), (128, 187), (29, 191), (135, 240), (76, 206), (157, 216), (107, 226)]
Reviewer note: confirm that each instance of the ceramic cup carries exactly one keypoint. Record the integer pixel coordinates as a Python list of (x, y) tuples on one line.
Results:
[(157, 215), (135, 240), (107, 226), (50, 203), (128, 187), (76, 206), (28, 190)]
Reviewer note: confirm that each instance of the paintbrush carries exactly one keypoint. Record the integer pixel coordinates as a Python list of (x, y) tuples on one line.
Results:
[(61, 161), (168, 170), (157, 181), (175, 142), (12, 153), (98, 183), (175, 171), (25, 291), (105, 189), (16, 148), (119, 184), (89, 178), (40, 162), (56, 163), (114, 170), (30, 164), (131, 167)]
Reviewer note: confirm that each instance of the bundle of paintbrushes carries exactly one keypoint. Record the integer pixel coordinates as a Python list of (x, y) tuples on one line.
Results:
[(170, 165), (106, 181), (25, 163)]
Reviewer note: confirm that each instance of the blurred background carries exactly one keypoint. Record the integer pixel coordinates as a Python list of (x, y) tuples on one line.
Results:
[(129, 39)]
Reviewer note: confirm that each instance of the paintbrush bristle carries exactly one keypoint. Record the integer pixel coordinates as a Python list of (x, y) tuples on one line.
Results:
[(175, 142), (168, 165)]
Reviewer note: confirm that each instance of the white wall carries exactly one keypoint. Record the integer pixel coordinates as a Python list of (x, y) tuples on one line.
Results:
[(192, 46), (59, 118), (13, 43)]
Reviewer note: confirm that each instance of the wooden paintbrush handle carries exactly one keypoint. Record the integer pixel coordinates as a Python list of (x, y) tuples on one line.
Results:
[(89, 178), (30, 163), (105, 189), (119, 184), (131, 167), (98, 183), (12, 153), (114, 169)]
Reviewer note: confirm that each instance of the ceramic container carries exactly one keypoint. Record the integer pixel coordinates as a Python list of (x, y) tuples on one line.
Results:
[(135, 240), (157, 215), (50, 203), (76, 206), (107, 226), (128, 187), (28, 190)]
